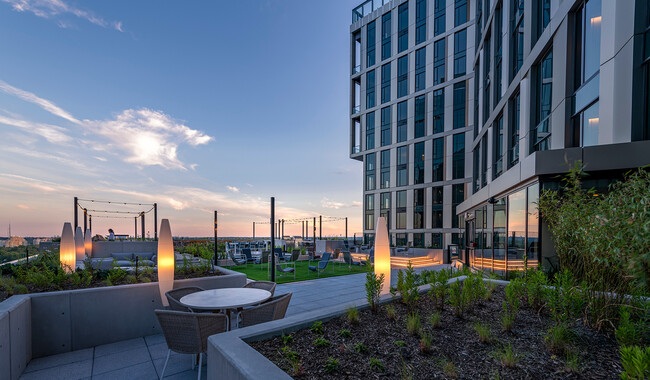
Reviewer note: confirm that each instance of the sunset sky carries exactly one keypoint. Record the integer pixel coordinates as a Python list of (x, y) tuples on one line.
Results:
[(198, 106)]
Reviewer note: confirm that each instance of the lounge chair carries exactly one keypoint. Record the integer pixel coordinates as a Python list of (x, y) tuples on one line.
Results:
[(187, 333), (294, 255), (264, 259), (266, 285), (174, 297), (278, 252), (350, 260), (285, 269), (249, 256), (322, 264), (272, 309), (237, 261)]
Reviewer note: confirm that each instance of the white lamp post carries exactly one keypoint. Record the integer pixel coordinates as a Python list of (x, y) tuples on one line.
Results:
[(67, 249), (88, 243), (382, 253), (80, 250), (165, 260)]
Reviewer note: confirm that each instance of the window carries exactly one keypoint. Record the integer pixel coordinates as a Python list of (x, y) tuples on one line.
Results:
[(477, 126), (370, 211), (386, 36), (418, 163), (402, 121), (438, 160), (420, 68), (486, 79), (498, 43), (439, 17), (402, 165), (403, 27), (400, 239), (516, 36), (384, 206), (370, 130), (385, 169), (385, 83), (436, 240), (479, 23), (543, 11), (484, 159), (458, 163), (385, 126), (542, 103), (584, 106), (420, 21), (497, 135), (418, 240), (400, 210), (370, 89), (436, 210), (457, 197), (438, 61), (419, 126), (371, 42), (403, 76), (513, 146), (418, 208), (646, 69), (460, 12), (370, 171), (476, 162), (460, 47), (439, 110), (459, 105)]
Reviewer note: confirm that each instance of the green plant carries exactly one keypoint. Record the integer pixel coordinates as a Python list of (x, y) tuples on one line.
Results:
[(636, 362), (425, 343), (399, 343), (435, 319), (626, 332), (406, 370), (456, 298), (352, 314), (571, 362), (345, 333), (439, 288), (321, 342), (331, 365), (558, 338), (507, 321), (286, 339), (374, 284), (483, 331), (507, 356), (536, 289), (407, 286), (564, 300), (413, 323), (289, 354), (376, 365), (317, 327), (390, 312), (449, 369), (360, 348)]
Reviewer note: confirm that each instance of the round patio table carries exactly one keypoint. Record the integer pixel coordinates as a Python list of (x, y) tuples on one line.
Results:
[(225, 299)]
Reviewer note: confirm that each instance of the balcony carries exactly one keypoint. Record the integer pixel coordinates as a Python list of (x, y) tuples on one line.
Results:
[(356, 69), (356, 109), (366, 8), (356, 149)]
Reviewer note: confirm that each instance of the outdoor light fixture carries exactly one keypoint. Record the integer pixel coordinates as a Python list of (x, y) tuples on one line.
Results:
[(382, 254), (79, 244), (67, 249), (165, 261), (88, 243)]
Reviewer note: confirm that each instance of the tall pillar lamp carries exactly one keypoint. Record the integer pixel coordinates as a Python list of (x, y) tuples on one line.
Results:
[(67, 255), (165, 261)]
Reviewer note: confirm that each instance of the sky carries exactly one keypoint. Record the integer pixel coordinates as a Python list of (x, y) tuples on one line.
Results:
[(198, 106)]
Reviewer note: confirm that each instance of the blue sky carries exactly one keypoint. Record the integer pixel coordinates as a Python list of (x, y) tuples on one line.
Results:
[(195, 105)]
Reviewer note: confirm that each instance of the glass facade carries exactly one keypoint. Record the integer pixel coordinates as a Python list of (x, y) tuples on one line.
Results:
[(439, 61), (498, 44), (418, 208), (384, 206), (385, 169), (403, 76), (460, 96), (370, 130), (370, 212), (460, 51), (460, 12), (402, 165), (370, 89), (402, 121), (436, 211), (370, 171), (457, 197), (439, 16), (403, 27), (497, 166), (386, 36), (486, 80), (419, 125), (370, 44), (438, 159), (385, 126), (458, 164), (438, 111), (418, 163), (513, 141), (543, 75), (400, 210), (516, 36), (385, 83), (420, 69), (420, 21)]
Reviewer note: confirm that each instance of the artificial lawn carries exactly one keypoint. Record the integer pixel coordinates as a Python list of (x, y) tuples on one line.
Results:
[(254, 272)]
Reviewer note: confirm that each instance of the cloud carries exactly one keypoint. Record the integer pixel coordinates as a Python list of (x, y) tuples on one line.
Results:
[(102, 159), (233, 189), (148, 137), (51, 9), (43, 103), (24, 207), (52, 133), (328, 203)]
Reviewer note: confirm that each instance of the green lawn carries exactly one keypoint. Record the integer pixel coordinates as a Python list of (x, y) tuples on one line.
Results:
[(254, 272)]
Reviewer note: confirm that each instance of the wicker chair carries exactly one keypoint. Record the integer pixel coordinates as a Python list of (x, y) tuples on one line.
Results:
[(266, 285), (274, 308), (187, 333), (174, 297)]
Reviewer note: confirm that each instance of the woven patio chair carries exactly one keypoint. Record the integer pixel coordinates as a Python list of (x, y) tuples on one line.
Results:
[(270, 310), (174, 297), (187, 333), (266, 285)]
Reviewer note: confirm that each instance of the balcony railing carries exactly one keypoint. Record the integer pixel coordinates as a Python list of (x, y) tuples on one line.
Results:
[(356, 109), (366, 8), (356, 69), (356, 149)]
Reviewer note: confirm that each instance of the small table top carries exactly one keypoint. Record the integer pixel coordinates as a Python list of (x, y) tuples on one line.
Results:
[(225, 298)]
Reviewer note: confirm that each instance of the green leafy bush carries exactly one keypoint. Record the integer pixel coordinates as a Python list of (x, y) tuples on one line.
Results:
[(390, 312), (456, 299), (352, 314), (636, 362), (399, 343), (345, 333), (536, 289), (287, 339), (374, 284), (376, 365), (317, 327), (626, 333), (439, 288), (360, 348), (413, 323), (483, 331), (331, 365), (435, 319), (558, 338), (321, 342), (407, 286), (425, 343), (507, 356)]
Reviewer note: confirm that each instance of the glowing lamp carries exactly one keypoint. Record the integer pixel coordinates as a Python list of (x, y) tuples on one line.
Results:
[(67, 249), (165, 261), (382, 253), (88, 243), (80, 250)]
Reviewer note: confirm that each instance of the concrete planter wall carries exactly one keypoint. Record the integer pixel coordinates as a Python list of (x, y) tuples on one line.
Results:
[(106, 248), (43, 324)]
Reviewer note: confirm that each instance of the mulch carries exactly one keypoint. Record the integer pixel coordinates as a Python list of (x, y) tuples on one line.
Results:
[(455, 341)]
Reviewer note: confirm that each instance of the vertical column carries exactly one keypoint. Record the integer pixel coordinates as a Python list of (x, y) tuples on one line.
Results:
[(314, 235), (76, 220), (282, 234), (320, 227), (155, 221), (85, 220), (142, 220), (272, 239), (346, 229), (90, 224), (135, 233), (253, 230), (215, 237)]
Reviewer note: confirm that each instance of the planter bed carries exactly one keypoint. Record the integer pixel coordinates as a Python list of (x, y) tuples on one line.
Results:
[(454, 341)]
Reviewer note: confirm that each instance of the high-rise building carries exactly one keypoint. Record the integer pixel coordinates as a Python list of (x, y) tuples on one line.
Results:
[(534, 86)]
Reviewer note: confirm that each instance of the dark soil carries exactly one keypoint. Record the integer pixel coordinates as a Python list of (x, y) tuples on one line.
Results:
[(454, 341)]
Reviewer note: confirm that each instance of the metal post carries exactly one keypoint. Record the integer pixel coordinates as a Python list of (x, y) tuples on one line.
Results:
[(90, 224), (302, 232), (346, 228), (135, 234), (142, 218), (215, 237), (320, 227), (155, 221), (282, 234), (85, 220), (306, 229), (314, 234), (253, 230), (273, 239), (76, 220)]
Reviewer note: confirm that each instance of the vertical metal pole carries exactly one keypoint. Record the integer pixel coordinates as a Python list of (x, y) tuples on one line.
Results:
[(90, 224), (307, 229), (253, 230), (314, 235), (142, 220), (302, 232), (346, 228), (320, 227), (282, 235), (273, 239), (135, 234), (85, 220), (76, 220), (155, 221), (215, 237)]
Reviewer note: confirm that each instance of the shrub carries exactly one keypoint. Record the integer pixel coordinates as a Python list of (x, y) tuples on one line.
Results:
[(390, 312), (473, 290), (439, 288), (290, 354), (425, 343), (353, 315), (507, 320), (558, 338), (376, 365), (345, 333), (321, 342), (636, 362), (407, 286), (536, 289), (626, 332), (413, 323), (434, 320), (360, 348), (331, 365), (483, 331), (564, 300), (374, 284), (456, 298), (317, 327)]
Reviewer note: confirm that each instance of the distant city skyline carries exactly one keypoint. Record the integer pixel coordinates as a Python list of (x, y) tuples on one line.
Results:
[(198, 107)]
